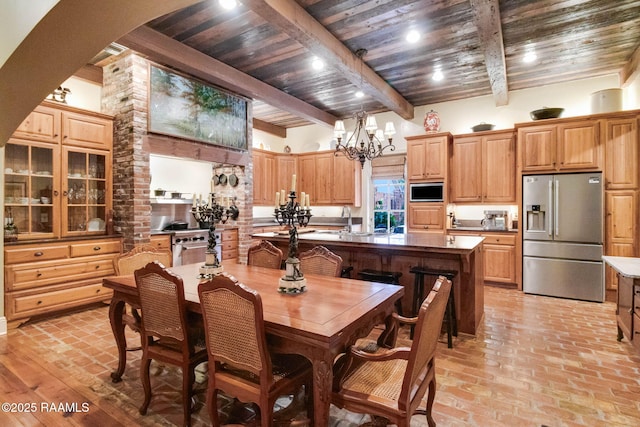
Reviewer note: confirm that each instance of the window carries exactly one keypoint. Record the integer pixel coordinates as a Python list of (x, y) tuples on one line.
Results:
[(389, 205)]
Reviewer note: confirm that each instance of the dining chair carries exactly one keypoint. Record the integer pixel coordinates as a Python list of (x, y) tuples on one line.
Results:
[(391, 384), (240, 364), (166, 333), (264, 254), (320, 260), (129, 262)]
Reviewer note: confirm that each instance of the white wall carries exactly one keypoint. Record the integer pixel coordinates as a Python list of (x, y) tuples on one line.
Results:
[(17, 20), (84, 94), (182, 175)]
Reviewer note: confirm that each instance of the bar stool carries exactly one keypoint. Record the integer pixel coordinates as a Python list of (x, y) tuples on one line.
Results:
[(390, 277), (450, 313)]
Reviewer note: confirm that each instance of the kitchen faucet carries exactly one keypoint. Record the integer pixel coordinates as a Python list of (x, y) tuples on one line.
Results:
[(349, 220)]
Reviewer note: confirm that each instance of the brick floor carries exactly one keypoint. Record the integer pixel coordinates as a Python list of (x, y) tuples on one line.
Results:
[(535, 361)]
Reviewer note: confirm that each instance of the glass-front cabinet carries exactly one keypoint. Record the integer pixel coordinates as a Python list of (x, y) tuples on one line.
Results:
[(30, 185), (84, 191), (52, 193)]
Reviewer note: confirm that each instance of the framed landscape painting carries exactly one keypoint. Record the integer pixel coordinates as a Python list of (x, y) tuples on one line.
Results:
[(187, 108)]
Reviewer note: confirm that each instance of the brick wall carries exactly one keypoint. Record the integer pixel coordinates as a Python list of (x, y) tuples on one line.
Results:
[(124, 95)]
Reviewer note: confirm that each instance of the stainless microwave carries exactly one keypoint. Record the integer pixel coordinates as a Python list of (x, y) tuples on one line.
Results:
[(426, 192)]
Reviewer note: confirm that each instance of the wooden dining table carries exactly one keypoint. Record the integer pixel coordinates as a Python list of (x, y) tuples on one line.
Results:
[(319, 324)]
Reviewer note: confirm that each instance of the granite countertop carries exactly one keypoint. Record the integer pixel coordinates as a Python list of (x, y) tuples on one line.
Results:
[(627, 266), (419, 241), (482, 230), (314, 222)]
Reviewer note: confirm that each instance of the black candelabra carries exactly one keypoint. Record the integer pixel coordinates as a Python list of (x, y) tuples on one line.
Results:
[(209, 214), (293, 215)]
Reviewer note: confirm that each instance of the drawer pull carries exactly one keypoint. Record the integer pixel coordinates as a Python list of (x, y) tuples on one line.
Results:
[(97, 267), (39, 274), (96, 248), (38, 253), (39, 302), (97, 291)]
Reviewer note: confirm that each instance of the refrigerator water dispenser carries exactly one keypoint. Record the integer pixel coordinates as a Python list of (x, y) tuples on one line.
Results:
[(536, 218)]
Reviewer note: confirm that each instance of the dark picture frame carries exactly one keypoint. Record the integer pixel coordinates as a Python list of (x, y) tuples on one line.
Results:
[(187, 108)]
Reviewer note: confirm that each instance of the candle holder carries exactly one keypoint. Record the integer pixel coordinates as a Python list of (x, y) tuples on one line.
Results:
[(212, 213), (293, 215)]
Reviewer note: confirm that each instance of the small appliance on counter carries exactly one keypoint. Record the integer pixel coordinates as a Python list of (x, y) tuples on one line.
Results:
[(495, 220)]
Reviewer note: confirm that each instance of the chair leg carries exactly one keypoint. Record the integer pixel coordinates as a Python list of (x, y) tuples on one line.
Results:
[(146, 384), (431, 395), (188, 378), (212, 405)]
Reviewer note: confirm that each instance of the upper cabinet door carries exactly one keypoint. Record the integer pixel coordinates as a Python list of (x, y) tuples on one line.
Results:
[(42, 124), (87, 131), (579, 145), (416, 159), (427, 158), (499, 168), (466, 161), (538, 145), (621, 166)]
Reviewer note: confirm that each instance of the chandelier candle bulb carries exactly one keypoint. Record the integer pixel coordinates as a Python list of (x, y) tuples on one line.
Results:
[(302, 200), (277, 199), (293, 182), (307, 204), (283, 197)]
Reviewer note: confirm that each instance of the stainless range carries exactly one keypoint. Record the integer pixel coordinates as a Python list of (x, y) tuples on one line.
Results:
[(190, 246)]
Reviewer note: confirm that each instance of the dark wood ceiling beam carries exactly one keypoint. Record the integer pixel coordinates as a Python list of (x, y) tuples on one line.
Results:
[(269, 128), (631, 68), (294, 20), (165, 50), (90, 73), (486, 16)]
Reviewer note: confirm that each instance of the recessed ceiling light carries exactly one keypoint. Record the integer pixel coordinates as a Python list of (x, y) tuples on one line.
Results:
[(228, 4), (413, 36), (529, 57), (359, 94), (437, 75), (317, 63)]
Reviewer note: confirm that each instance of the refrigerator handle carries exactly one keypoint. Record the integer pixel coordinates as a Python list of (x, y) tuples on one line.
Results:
[(550, 208), (556, 204)]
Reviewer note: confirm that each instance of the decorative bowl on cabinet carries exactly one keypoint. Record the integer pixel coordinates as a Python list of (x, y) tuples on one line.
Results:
[(546, 113)]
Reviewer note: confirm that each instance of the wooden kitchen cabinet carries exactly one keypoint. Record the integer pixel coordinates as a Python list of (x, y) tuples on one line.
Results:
[(53, 188), (427, 157), (42, 278), (426, 217), (264, 178), (230, 244), (564, 145), (329, 179), (499, 255), (286, 167), (499, 258), (621, 153), (160, 242), (620, 228), (483, 168)]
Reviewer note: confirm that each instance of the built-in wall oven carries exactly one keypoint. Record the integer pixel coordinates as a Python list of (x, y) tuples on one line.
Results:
[(190, 246)]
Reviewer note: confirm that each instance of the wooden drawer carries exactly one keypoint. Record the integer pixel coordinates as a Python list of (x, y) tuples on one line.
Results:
[(33, 275), (499, 239), (162, 242), (229, 246), (233, 253), (635, 340), (34, 253), (28, 305), (230, 235), (97, 247)]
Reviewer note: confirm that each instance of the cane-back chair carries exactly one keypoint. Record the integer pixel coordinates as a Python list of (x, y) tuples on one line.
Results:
[(320, 260), (264, 254), (391, 383), (166, 334), (240, 364)]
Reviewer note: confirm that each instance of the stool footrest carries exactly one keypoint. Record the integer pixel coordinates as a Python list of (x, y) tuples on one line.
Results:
[(434, 272)]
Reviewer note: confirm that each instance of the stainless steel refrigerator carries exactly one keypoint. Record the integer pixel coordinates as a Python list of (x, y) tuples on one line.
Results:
[(562, 236)]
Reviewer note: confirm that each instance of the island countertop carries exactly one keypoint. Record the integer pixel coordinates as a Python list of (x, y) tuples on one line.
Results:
[(419, 241), (627, 266), (398, 253)]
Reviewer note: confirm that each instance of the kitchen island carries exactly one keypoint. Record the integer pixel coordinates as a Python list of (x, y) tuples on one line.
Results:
[(401, 252)]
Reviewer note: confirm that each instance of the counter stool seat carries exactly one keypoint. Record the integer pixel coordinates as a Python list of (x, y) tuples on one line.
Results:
[(390, 277), (450, 312)]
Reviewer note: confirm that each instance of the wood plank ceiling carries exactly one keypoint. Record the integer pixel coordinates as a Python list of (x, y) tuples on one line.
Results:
[(477, 44)]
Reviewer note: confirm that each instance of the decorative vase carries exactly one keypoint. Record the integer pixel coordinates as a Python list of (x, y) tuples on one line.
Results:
[(431, 122)]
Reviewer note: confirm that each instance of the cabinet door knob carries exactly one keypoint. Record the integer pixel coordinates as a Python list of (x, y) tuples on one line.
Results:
[(55, 192), (96, 248), (38, 254)]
